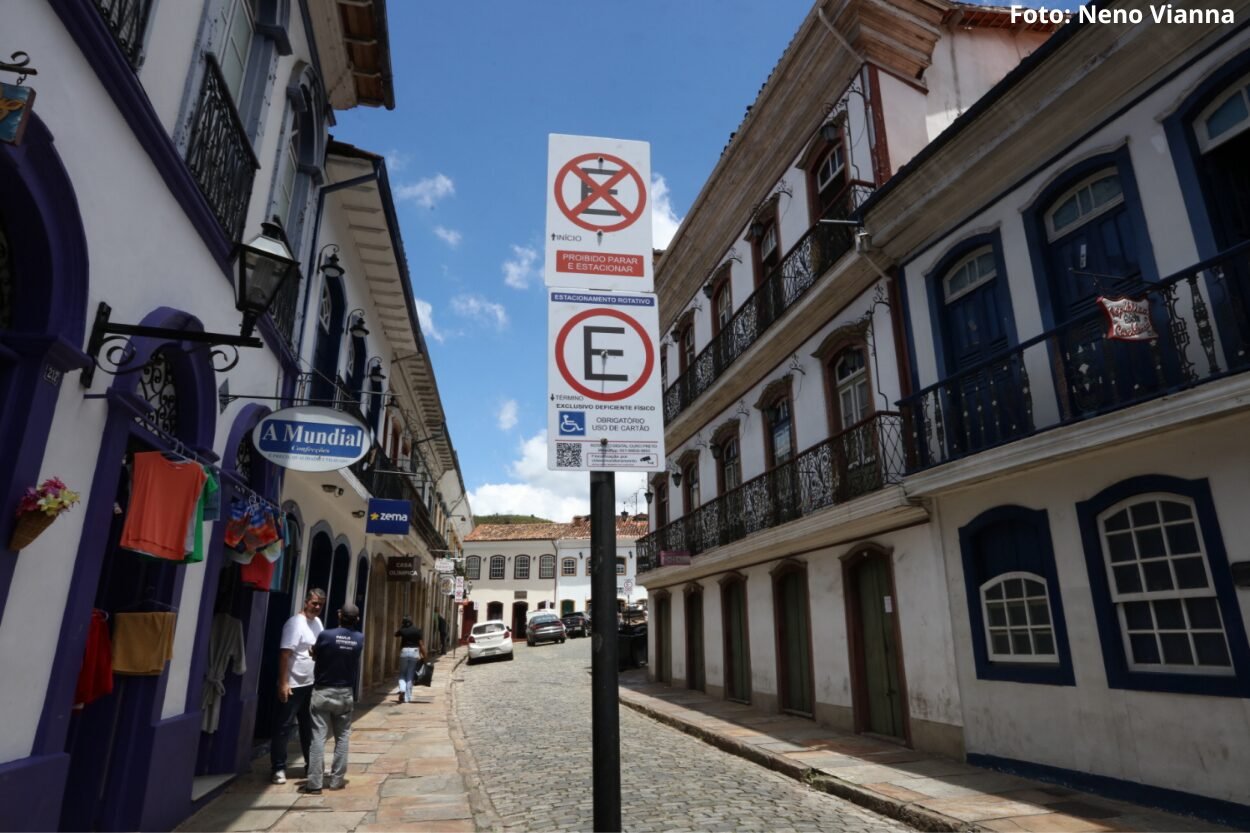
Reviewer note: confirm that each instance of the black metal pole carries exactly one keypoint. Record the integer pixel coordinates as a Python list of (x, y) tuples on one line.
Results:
[(605, 709)]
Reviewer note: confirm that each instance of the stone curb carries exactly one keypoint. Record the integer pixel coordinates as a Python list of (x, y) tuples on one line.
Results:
[(916, 816)]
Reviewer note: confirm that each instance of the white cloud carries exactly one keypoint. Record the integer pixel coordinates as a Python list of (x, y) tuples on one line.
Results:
[(507, 415), (518, 270), (664, 221), (425, 315), (534, 490), (449, 236), (479, 309), (428, 191), (396, 160)]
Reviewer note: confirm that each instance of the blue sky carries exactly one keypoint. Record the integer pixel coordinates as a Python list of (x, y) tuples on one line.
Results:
[(478, 87)]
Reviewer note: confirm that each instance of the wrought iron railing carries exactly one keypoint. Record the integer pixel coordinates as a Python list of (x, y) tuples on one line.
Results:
[(811, 257), (862, 459), (384, 478), (220, 154), (1202, 320), (285, 309), (127, 20)]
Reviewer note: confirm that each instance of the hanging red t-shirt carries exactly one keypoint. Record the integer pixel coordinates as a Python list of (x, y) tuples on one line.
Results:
[(163, 496), (257, 573)]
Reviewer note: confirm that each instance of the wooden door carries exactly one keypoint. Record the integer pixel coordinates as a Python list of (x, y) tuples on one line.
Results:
[(737, 655), (882, 706), (694, 642), (794, 643), (663, 640)]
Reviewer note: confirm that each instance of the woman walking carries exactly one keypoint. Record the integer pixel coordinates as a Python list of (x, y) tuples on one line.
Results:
[(411, 654)]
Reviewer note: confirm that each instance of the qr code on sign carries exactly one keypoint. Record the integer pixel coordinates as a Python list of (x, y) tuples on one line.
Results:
[(568, 455)]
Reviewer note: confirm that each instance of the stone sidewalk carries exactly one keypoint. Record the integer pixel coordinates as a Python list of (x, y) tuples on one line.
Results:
[(404, 774), (927, 792)]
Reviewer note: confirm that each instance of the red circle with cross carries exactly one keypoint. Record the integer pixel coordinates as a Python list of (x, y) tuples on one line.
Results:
[(600, 191), (647, 366)]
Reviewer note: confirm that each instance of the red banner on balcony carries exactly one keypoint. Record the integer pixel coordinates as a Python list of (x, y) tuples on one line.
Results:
[(674, 558), (1128, 320)]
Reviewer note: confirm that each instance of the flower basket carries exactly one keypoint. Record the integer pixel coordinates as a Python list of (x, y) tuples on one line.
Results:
[(38, 508), (29, 527)]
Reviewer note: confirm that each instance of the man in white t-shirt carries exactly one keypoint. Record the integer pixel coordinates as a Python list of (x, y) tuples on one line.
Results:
[(295, 682)]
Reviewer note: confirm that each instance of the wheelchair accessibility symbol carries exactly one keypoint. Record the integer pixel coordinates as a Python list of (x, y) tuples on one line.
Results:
[(572, 424)]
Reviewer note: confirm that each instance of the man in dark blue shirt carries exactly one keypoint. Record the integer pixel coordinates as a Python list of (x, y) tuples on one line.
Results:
[(337, 656)]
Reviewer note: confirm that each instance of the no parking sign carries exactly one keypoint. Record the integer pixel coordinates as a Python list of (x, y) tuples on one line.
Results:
[(598, 214), (604, 410)]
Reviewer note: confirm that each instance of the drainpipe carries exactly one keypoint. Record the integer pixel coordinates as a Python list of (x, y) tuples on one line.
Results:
[(316, 239)]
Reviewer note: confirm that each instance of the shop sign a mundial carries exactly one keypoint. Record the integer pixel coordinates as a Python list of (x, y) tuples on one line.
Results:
[(598, 216), (604, 406), (311, 438)]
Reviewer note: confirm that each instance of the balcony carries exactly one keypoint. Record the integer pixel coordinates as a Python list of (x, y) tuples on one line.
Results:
[(864, 458), (285, 310), (383, 479), (219, 153), (127, 20), (802, 266), (1201, 316)]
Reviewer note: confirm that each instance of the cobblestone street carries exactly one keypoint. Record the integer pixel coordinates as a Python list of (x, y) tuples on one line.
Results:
[(528, 727)]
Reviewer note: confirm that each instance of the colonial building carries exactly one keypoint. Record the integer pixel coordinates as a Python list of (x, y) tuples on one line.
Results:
[(573, 585), (787, 566), (1074, 268), (163, 136)]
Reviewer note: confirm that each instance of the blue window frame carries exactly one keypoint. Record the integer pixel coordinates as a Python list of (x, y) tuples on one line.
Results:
[(1015, 609), (1167, 612)]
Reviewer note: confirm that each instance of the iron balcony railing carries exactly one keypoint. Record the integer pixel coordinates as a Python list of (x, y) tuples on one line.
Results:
[(220, 154), (127, 20), (1202, 320), (811, 257), (862, 459), (285, 309), (383, 478)]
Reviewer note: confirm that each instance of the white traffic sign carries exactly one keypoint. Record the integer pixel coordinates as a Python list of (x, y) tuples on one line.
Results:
[(598, 214), (604, 407), (459, 588), (629, 586)]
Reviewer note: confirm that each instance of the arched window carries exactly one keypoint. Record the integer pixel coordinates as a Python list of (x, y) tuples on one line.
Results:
[(690, 475), (497, 563), (620, 566), (1014, 604), (473, 568), (779, 430), (568, 567), (722, 299), (850, 377), (547, 566), (973, 270), (1161, 586), (729, 464), (521, 567), (1224, 118), (1089, 198), (1018, 627)]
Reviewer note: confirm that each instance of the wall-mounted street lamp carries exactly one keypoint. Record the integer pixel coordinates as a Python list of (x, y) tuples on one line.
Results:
[(356, 327), (330, 265), (265, 264), (375, 370)]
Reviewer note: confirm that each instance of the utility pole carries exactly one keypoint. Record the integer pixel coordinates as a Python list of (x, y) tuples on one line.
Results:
[(605, 708)]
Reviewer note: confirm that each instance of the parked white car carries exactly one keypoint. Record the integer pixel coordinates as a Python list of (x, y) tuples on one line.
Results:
[(491, 638)]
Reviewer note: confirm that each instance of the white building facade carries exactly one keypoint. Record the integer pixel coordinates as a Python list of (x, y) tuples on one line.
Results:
[(787, 566), (1085, 471)]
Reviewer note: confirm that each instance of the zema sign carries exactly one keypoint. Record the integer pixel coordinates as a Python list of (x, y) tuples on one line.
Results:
[(309, 438), (388, 517), (604, 409), (598, 217)]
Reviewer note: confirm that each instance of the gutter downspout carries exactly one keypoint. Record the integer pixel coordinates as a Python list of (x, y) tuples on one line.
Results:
[(316, 239)]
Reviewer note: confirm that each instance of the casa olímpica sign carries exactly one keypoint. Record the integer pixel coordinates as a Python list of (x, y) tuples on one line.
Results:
[(311, 438)]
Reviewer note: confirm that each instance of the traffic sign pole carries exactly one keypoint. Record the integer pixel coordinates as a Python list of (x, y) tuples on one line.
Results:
[(604, 705)]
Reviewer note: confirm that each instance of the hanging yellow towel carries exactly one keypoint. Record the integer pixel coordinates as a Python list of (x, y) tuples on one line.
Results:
[(142, 642)]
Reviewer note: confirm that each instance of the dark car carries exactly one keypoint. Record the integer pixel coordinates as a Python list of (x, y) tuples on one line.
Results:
[(545, 627), (576, 624)]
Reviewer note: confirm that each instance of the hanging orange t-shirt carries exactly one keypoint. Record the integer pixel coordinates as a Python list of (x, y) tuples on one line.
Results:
[(163, 496)]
